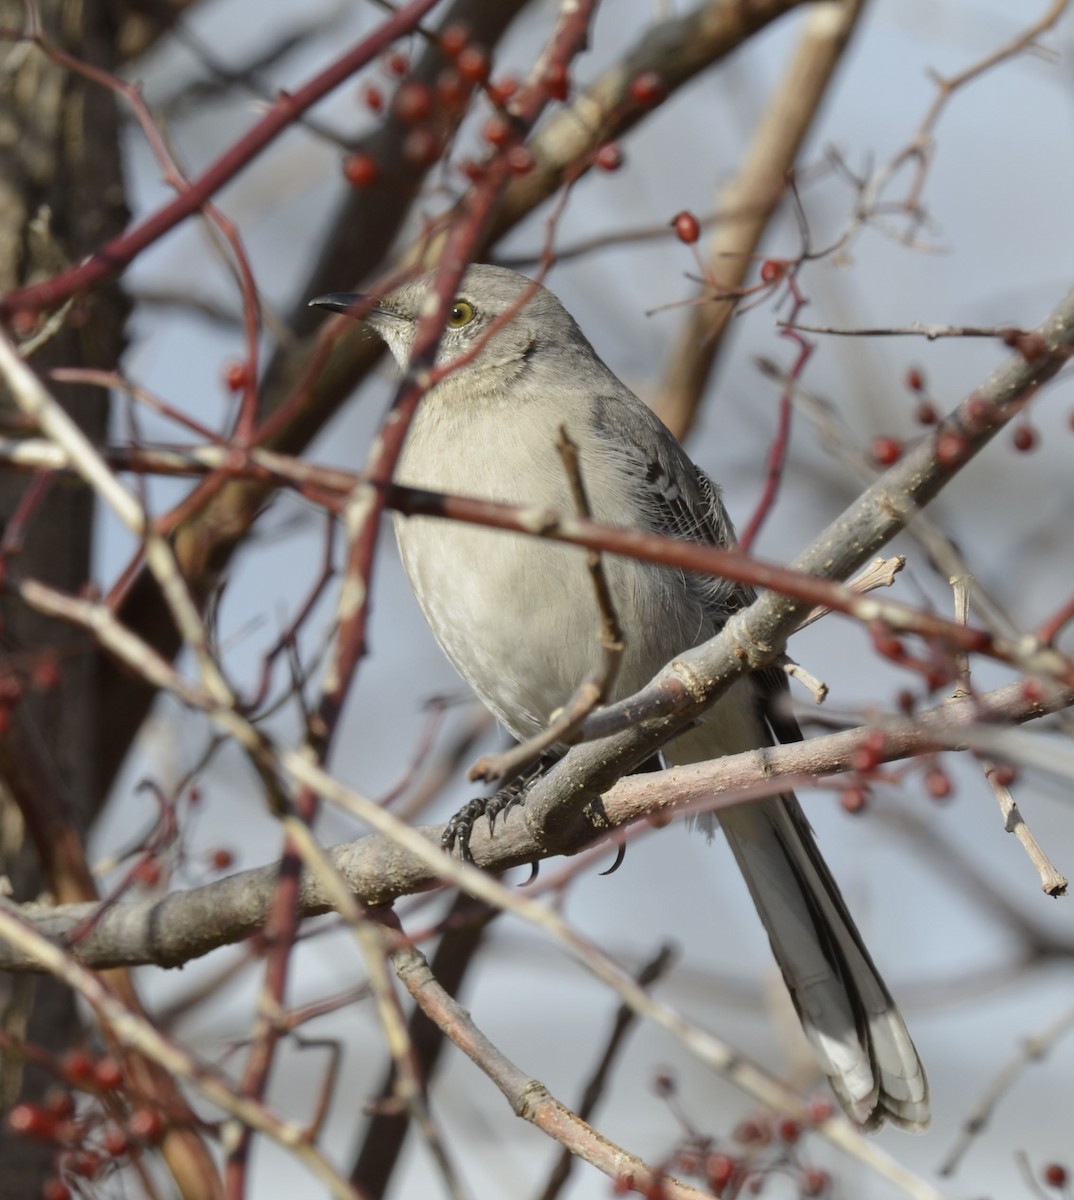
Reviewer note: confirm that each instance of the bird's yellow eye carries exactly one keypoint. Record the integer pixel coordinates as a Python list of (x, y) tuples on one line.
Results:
[(462, 313)]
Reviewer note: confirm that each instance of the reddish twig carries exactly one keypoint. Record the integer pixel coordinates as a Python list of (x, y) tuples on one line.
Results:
[(117, 254)]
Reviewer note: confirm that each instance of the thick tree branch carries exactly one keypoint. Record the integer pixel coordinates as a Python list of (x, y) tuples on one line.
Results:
[(184, 925)]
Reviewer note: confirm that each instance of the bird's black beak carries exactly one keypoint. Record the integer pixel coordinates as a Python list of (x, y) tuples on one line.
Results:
[(343, 302)]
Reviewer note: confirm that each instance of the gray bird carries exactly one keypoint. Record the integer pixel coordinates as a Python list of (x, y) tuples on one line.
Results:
[(516, 617)]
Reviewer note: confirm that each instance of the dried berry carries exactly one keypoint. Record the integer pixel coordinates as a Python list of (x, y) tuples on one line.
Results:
[(686, 226)]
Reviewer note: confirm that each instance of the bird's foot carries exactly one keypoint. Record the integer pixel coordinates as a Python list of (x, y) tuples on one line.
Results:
[(459, 829)]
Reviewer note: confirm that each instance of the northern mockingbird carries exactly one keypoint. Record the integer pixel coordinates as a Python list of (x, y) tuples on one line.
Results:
[(515, 615)]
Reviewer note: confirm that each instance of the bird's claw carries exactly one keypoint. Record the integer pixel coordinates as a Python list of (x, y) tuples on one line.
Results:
[(458, 831)]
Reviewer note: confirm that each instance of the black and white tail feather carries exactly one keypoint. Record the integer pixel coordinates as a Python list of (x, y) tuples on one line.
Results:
[(847, 1013)]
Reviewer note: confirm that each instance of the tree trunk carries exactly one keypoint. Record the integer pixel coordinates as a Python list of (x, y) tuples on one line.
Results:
[(61, 195)]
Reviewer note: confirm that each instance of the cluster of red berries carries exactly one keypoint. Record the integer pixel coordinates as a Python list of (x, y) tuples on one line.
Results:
[(422, 108), (979, 412), (87, 1143), (760, 1146), (937, 669), (42, 675)]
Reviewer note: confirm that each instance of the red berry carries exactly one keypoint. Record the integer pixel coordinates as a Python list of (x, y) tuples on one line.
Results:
[(147, 873), (951, 449), (46, 674), (60, 1102), (24, 323), (915, 381), (235, 376), (77, 1066), (221, 859), (422, 146), (55, 1189), (32, 1121), (886, 451), (1025, 438), (108, 1074), (864, 759), (1029, 344), (887, 643), (396, 64), (501, 90), (145, 1125), (83, 1162), (115, 1142), (497, 131), (687, 227), (648, 88), (876, 742), (473, 64), (719, 1170), (1004, 774), (853, 799), (10, 689), (980, 410), (361, 170), (1032, 691), (926, 413), (772, 270), (820, 1109), (609, 157), (815, 1182), (686, 1162), (1055, 1175), (473, 171), (937, 783), (451, 90), (454, 40), (373, 97), (788, 1131), (752, 1130), (555, 81), (520, 160), (412, 102)]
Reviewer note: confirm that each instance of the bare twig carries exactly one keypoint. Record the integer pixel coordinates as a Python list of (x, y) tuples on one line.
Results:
[(880, 573), (914, 329), (1052, 882), (624, 1021), (1034, 1049)]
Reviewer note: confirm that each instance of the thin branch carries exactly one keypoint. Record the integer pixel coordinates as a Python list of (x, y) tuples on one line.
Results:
[(624, 1021), (1033, 1050), (915, 329), (1052, 882)]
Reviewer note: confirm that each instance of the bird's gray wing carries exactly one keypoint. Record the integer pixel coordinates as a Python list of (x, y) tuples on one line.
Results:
[(677, 499)]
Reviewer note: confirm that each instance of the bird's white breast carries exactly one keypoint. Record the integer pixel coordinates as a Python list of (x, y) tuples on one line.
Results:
[(505, 607)]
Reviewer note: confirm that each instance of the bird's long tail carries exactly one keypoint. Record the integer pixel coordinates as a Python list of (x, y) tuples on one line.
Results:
[(847, 1013)]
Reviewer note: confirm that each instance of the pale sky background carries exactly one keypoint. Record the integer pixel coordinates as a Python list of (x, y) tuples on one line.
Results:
[(1000, 192)]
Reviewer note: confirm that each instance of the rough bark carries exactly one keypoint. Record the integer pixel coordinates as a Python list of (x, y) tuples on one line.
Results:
[(61, 194)]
